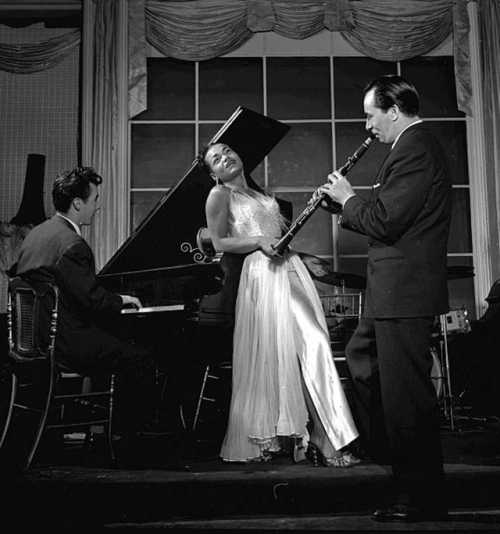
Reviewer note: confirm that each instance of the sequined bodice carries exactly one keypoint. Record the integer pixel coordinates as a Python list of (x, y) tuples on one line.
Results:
[(252, 213)]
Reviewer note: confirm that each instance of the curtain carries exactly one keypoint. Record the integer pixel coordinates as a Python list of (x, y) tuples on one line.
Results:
[(384, 29), (489, 24), (390, 30), (106, 232), (29, 58)]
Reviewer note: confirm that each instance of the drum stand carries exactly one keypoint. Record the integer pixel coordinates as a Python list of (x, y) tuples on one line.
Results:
[(448, 400)]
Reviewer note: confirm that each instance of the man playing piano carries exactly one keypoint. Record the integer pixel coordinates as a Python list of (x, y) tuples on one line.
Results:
[(56, 252)]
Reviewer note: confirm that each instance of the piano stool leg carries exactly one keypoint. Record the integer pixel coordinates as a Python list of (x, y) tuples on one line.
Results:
[(160, 387), (201, 398), (215, 373)]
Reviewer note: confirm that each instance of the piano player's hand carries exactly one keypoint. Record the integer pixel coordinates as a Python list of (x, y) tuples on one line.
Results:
[(131, 301)]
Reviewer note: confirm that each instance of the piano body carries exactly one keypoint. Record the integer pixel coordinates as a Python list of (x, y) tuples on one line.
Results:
[(161, 263)]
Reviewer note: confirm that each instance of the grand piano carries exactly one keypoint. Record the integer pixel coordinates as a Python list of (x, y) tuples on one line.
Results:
[(188, 295), (161, 262)]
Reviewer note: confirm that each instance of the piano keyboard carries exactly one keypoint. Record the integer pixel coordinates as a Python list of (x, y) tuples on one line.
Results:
[(154, 309)]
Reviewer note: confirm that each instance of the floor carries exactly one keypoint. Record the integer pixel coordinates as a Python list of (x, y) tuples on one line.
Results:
[(160, 484)]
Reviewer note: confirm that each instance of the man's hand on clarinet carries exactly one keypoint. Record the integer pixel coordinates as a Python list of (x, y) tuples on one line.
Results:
[(338, 188)]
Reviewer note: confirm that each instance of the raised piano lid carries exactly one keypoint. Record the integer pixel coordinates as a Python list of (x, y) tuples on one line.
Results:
[(167, 236)]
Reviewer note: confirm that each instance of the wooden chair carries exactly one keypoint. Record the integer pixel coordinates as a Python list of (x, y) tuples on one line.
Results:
[(41, 392)]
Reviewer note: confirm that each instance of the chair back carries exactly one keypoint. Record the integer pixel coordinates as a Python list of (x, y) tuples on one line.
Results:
[(32, 313), (44, 395)]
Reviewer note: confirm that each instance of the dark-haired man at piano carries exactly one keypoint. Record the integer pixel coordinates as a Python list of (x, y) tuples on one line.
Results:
[(56, 252)]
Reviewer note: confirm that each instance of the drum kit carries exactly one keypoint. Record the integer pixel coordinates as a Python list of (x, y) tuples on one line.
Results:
[(451, 323)]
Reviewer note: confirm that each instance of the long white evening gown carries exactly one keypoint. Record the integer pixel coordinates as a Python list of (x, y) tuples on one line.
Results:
[(280, 333)]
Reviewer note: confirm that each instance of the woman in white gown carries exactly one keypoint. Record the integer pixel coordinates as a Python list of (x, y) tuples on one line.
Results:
[(283, 369)]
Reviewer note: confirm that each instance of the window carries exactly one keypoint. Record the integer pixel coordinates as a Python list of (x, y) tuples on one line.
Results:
[(321, 99)]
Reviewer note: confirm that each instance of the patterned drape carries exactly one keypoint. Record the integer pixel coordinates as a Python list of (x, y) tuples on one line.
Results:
[(28, 58)]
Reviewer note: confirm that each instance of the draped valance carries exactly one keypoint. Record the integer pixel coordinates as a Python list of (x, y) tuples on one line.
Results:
[(384, 29), (36, 57), (388, 30)]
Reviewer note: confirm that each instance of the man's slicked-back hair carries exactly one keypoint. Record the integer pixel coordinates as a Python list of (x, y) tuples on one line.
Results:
[(393, 90), (73, 184)]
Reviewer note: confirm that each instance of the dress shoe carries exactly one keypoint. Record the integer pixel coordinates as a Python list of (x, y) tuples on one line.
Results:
[(360, 450), (401, 513)]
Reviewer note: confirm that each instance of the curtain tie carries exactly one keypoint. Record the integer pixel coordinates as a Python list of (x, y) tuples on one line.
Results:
[(338, 16), (260, 16)]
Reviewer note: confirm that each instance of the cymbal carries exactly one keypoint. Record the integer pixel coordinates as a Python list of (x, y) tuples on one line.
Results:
[(343, 279), (456, 272)]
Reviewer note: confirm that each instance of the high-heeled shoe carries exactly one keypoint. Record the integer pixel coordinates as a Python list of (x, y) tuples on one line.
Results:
[(265, 456), (316, 456)]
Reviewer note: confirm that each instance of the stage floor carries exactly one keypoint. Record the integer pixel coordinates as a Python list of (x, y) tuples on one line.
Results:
[(157, 483)]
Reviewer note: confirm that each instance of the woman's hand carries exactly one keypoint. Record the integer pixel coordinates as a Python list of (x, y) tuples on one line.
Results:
[(265, 244)]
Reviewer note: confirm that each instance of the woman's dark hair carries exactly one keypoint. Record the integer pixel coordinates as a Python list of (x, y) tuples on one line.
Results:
[(393, 90), (73, 184), (200, 158)]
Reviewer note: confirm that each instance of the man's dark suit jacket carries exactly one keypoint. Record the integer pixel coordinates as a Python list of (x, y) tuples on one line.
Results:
[(54, 252), (407, 222)]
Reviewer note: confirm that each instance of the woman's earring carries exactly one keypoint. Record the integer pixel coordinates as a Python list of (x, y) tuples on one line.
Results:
[(215, 178)]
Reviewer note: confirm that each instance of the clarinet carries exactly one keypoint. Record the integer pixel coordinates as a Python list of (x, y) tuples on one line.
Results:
[(314, 203)]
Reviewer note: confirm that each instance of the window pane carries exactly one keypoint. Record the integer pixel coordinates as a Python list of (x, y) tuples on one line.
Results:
[(207, 131), (298, 88), (142, 203), (460, 232), (350, 76), (303, 158), (227, 83), (160, 154), (170, 90), (453, 137), (349, 137), (434, 78), (315, 237)]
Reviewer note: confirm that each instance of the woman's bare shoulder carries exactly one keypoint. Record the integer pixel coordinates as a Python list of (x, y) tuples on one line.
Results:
[(218, 194)]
